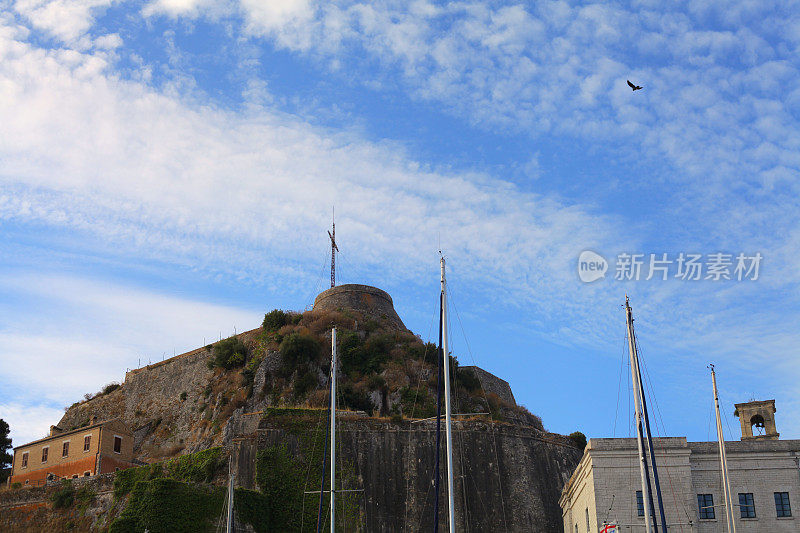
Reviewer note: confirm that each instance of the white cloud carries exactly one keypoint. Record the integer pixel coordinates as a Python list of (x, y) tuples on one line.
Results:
[(188, 8), (108, 42), (68, 20), (164, 175), (28, 421), (62, 337)]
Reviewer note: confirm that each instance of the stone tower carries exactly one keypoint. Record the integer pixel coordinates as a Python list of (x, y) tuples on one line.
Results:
[(759, 415), (369, 301)]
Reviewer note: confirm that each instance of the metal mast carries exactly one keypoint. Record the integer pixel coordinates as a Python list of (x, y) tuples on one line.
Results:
[(333, 429), (648, 435), (646, 495), (723, 459), (334, 249), (447, 415), (437, 477), (229, 521)]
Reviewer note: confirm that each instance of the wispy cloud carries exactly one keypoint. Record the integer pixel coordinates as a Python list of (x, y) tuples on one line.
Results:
[(168, 174), (62, 337)]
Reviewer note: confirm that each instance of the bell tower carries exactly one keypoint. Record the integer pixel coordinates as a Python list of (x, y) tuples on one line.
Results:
[(757, 420)]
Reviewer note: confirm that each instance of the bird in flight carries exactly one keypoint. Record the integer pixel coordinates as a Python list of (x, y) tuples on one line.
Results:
[(633, 87)]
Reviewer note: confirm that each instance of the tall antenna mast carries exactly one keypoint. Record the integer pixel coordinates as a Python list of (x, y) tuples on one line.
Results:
[(334, 248), (723, 459)]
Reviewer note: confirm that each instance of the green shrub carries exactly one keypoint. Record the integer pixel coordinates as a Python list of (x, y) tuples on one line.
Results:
[(304, 382), (376, 382), (252, 508), (169, 506), (229, 353), (282, 475), (84, 496), (579, 439), (274, 320), (297, 349), (183, 396), (367, 357), (249, 372), (199, 467), (63, 497), (111, 387), (417, 403), (16, 485), (357, 400), (467, 379), (419, 351)]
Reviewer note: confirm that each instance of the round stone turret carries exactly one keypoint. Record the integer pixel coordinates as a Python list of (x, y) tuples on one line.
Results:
[(369, 301)]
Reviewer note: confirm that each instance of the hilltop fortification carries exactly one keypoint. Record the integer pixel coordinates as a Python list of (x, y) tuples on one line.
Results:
[(223, 394)]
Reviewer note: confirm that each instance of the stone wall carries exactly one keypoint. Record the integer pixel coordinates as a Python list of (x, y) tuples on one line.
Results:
[(508, 478), (493, 384), (369, 301), (152, 403), (30, 510)]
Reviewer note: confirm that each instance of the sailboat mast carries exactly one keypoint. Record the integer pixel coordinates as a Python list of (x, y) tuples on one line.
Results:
[(649, 436), (229, 522), (333, 429), (447, 414), (723, 459), (646, 496), (437, 477)]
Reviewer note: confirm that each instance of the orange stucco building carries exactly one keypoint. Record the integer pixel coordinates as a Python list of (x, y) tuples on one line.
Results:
[(98, 448)]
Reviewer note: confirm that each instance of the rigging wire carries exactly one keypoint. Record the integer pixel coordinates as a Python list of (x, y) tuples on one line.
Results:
[(413, 409), (650, 392), (316, 288), (486, 399), (619, 388)]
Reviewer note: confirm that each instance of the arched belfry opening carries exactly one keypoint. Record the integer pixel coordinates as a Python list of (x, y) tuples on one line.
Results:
[(757, 425), (757, 419)]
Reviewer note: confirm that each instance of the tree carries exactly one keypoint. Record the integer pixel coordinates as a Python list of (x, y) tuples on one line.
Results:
[(5, 445), (579, 439)]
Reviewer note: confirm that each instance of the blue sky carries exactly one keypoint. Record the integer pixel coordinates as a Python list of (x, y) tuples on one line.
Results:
[(167, 171)]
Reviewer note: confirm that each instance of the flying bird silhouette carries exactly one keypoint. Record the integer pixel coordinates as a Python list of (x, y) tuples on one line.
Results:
[(632, 86)]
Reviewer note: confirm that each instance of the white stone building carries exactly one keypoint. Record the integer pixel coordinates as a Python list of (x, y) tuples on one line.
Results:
[(764, 477)]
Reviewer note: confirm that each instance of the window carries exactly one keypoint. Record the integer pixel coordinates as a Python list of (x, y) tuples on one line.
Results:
[(639, 503), (576, 528), (588, 529), (44, 454), (117, 444), (25, 460), (747, 505), (74, 476), (65, 449), (87, 474), (87, 442), (705, 503), (782, 504), (27, 481)]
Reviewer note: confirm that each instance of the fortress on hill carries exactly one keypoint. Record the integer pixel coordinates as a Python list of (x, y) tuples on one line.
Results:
[(376, 304), (510, 471)]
